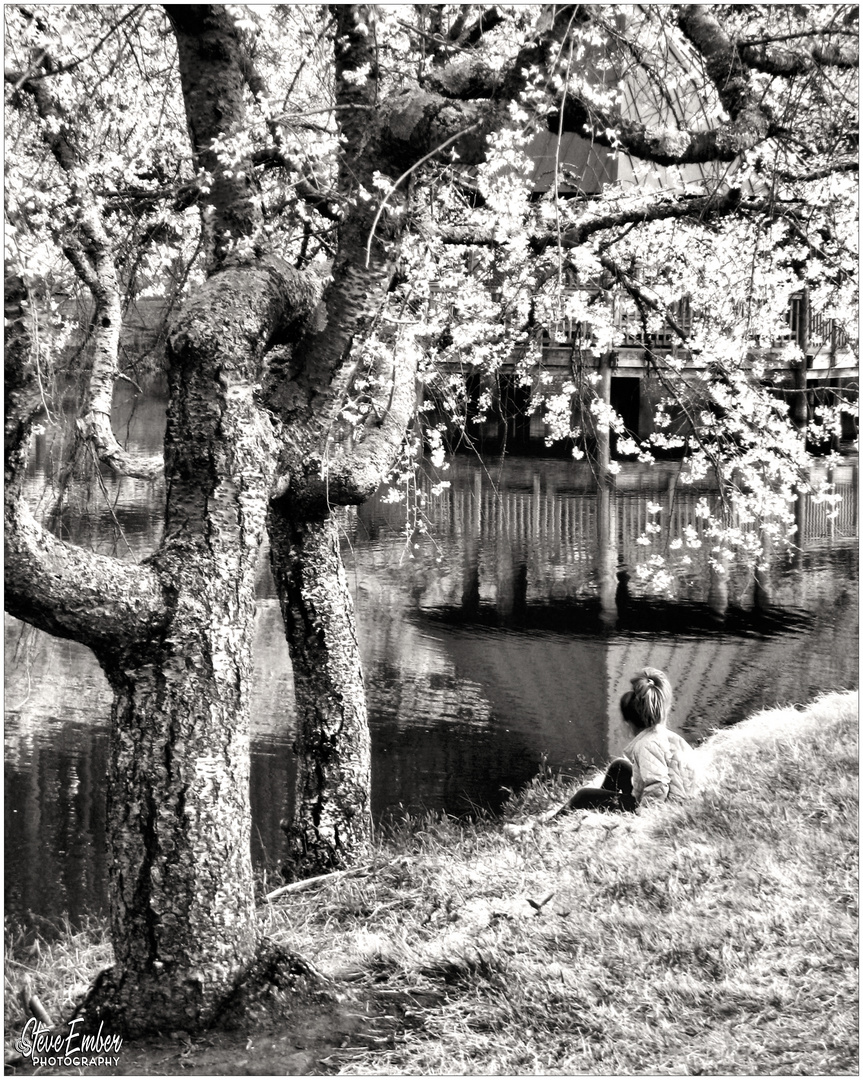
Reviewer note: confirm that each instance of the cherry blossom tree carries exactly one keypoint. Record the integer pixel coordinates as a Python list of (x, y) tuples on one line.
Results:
[(337, 204)]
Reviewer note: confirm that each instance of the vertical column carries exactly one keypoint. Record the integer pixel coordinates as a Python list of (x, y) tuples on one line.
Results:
[(606, 532)]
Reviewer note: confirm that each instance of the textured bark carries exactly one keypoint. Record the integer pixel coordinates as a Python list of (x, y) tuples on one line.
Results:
[(800, 397), (722, 60), (73, 593), (664, 146), (332, 817), (211, 73), (174, 635), (320, 466), (184, 929), (55, 586), (178, 807), (22, 401)]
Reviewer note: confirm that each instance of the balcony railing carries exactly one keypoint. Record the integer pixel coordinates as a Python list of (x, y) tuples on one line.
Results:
[(824, 331)]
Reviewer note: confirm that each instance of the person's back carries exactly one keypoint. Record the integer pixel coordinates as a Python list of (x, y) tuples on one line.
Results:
[(663, 766)]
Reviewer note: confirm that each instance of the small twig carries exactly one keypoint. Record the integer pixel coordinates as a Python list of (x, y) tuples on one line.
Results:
[(541, 902), (405, 175), (334, 875), (312, 882), (32, 1004)]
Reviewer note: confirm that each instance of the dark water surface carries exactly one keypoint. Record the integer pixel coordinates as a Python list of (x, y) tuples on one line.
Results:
[(482, 643)]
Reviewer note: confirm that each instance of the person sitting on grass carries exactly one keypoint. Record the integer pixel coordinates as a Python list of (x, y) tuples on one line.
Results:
[(658, 765)]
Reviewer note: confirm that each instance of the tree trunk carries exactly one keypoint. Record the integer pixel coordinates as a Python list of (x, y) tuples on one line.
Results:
[(332, 815), (183, 912), (800, 396), (183, 915)]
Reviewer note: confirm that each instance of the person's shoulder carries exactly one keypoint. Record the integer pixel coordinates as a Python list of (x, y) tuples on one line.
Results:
[(649, 741), (678, 740), (659, 736), (657, 733)]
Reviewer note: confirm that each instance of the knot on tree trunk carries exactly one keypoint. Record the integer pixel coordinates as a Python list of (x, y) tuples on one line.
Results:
[(310, 853)]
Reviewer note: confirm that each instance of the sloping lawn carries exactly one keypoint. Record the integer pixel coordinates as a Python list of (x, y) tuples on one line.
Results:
[(716, 938)]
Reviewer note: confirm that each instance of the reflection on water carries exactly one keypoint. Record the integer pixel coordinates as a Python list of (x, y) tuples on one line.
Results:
[(482, 649)]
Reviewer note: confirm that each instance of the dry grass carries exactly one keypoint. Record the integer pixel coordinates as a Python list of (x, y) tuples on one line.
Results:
[(716, 938), (58, 964)]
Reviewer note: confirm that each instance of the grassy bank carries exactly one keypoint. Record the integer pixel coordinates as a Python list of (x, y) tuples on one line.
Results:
[(715, 938)]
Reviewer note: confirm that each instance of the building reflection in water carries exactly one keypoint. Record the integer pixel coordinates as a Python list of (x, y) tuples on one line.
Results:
[(501, 637)]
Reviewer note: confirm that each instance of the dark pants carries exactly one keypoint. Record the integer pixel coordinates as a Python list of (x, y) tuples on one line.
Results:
[(615, 795)]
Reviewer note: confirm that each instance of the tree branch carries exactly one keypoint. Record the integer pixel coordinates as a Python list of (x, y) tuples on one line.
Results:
[(651, 210), (72, 593), (790, 62), (470, 36), (661, 145), (307, 188), (641, 295), (841, 166), (89, 250), (353, 470), (470, 77), (61, 589), (750, 122), (50, 67), (728, 74), (365, 258), (211, 74), (663, 210)]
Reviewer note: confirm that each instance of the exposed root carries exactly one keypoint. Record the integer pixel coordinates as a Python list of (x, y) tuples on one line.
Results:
[(274, 982)]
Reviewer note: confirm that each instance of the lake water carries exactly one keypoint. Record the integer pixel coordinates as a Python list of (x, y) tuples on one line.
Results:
[(484, 648)]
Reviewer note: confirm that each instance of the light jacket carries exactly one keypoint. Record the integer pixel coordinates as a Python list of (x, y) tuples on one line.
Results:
[(663, 766)]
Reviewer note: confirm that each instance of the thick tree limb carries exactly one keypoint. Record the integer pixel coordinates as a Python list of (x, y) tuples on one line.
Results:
[(663, 209), (467, 78), (467, 81), (470, 77), (211, 74), (365, 259), (661, 145), (790, 62), (469, 36), (651, 209), (750, 122), (727, 72), (843, 165), (55, 586), (351, 471), (72, 593)]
